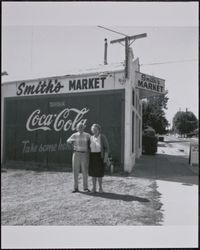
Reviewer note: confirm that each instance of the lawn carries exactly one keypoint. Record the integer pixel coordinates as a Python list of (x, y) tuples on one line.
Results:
[(45, 198)]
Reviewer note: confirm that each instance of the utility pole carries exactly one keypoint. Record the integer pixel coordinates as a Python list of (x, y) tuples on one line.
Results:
[(127, 40)]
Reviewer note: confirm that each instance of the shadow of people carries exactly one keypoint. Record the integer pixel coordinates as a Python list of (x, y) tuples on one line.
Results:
[(114, 196)]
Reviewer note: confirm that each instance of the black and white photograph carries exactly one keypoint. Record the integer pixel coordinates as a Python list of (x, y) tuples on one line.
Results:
[(99, 124)]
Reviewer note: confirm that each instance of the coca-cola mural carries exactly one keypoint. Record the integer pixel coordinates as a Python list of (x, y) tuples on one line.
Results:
[(57, 122), (37, 127)]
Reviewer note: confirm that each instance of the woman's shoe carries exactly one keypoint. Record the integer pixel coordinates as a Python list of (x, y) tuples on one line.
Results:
[(101, 190), (87, 190), (94, 190), (75, 190)]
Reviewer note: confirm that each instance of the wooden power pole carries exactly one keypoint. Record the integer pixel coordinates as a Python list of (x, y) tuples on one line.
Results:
[(128, 41)]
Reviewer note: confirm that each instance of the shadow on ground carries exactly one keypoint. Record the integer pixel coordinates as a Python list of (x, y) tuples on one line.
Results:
[(114, 196), (174, 141), (165, 167), (162, 145)]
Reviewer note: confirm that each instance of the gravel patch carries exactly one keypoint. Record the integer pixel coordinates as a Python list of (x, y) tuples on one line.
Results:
[(45, 198)]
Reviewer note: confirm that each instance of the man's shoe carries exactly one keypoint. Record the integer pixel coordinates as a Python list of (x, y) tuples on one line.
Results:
[(75, 190), (86, 190)]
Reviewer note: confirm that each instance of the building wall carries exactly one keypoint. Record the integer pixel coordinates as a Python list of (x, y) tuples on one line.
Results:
[(133, 118), (37, 127), (105, 104), (113, 82)]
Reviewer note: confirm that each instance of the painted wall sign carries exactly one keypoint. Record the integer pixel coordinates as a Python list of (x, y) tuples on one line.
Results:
[(87, 83), (55, 86), (42, 87), (37, 127), (150, 83), (60, 121)]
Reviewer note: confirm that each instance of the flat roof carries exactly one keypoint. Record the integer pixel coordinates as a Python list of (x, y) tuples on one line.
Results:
[(108, 68)]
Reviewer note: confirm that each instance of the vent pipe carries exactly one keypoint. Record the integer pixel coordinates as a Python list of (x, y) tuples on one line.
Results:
[(105, 51)]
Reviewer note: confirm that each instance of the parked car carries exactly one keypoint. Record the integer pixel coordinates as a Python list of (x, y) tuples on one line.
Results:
[(160, 138), (195, 133), (149, 141)]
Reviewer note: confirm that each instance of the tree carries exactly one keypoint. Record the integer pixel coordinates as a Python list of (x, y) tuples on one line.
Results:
[(154, 115), (184, 122)]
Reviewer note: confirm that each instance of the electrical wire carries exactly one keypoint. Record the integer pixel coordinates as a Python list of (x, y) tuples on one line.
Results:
[(168, 62), (111, 30)]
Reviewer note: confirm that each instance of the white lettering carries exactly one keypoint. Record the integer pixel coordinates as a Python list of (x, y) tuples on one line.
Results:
[(33, 121), (78, 118), (57, 122)]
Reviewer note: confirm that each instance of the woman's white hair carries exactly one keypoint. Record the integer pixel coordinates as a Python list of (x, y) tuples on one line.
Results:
[(97, 126)]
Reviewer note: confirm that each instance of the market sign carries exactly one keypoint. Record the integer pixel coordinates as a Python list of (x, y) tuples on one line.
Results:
[(55, 86), (149, 85)]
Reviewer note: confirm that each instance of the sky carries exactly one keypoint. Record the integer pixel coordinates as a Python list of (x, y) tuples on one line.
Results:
[(40, 39)]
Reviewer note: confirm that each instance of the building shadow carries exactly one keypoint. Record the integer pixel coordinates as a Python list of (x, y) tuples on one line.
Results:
[(115, 196)]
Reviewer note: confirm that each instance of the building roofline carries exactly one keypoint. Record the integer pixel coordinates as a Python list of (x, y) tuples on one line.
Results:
[(85, 73)]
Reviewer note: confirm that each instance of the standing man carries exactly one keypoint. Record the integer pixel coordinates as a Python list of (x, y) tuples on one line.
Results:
[(80, 158)]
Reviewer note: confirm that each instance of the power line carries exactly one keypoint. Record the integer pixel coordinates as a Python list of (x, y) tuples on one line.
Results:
[(111, 30), (168, 62), (127, 41)]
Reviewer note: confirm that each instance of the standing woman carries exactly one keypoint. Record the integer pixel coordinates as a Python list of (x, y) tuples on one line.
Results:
[(99, 149)]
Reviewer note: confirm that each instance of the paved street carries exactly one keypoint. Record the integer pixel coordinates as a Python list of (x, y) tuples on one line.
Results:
[(176, 180)]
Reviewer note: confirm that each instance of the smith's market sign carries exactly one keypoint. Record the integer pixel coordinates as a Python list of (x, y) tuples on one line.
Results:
[(149, 85), (54, 86)]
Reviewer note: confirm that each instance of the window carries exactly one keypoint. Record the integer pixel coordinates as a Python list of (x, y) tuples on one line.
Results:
[(140, 132), (133, 131), (136, 102), (133, 97)]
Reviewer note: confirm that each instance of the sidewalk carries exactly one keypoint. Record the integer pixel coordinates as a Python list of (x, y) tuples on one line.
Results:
[(176, 180), (165, 167)]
